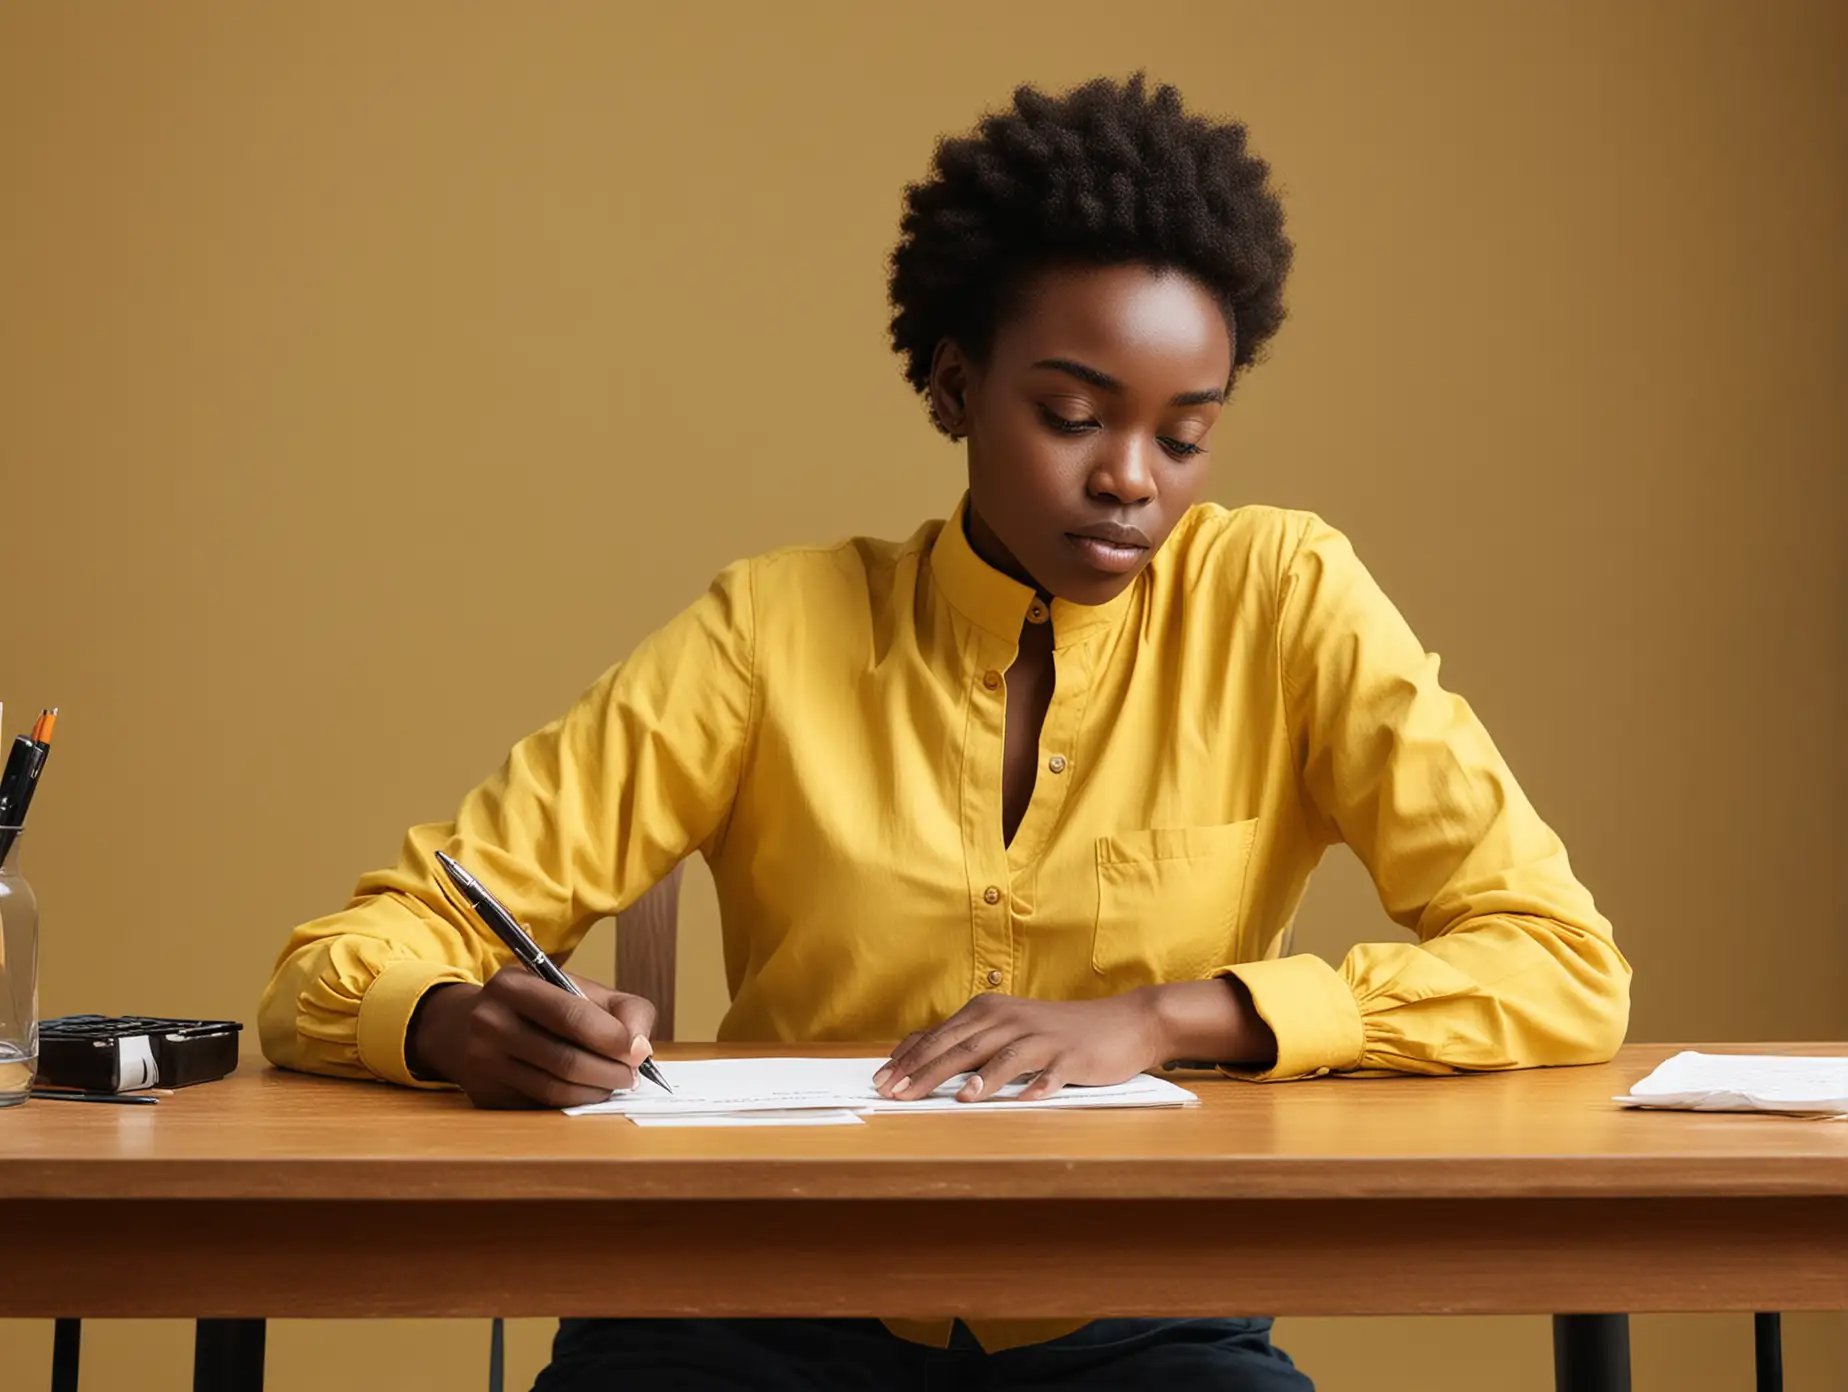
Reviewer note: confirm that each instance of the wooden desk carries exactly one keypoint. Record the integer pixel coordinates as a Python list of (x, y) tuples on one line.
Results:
[(271, 1194)]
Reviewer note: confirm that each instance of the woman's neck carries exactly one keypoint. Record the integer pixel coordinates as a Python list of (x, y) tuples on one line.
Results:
[(986, 545)]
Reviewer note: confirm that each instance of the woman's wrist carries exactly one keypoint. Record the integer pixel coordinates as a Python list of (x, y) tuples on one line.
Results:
[(432, 1026), (1212, 1021)]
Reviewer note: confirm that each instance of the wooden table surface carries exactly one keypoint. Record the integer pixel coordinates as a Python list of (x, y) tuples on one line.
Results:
[(273, 1194)]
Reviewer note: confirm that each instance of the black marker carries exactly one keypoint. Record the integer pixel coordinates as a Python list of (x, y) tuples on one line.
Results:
[(529, 953), (17, 784), (16, 778)]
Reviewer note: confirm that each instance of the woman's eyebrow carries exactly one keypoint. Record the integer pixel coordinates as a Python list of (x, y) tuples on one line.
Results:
[(1212, 396), (1215, 396), (1084, 374)]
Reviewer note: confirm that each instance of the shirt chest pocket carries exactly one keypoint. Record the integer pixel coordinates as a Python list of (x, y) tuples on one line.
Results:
[(1168, 902)]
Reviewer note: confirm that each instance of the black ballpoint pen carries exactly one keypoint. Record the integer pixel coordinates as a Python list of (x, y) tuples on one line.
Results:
[(530, 954)]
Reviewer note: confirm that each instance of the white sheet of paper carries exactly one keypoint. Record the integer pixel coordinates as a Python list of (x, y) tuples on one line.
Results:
[(780, 1084), (819, 1116), (1692, 1081)]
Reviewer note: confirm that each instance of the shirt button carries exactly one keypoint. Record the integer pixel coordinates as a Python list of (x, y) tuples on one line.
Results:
[(991, 679), (1038, 612), (1056, 763), (994, 978), (991, 895)]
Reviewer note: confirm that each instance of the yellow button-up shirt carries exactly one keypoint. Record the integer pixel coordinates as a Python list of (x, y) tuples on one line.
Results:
[(825, 725)]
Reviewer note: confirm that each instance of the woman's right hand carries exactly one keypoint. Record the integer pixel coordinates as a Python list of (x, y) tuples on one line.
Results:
[(519, 1042)]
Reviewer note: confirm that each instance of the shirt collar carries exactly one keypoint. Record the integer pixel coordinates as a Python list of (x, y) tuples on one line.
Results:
[(998, 603)]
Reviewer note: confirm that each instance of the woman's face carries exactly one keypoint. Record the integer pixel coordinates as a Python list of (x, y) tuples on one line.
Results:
[(1088, 423)]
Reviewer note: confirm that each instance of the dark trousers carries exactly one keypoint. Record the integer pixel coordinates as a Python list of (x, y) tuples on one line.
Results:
[(862, 1355)]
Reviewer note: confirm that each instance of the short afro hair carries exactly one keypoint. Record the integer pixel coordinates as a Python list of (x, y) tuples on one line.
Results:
[(1106, 174)]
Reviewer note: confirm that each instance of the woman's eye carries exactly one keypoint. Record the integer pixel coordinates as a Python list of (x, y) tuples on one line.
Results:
[(1064, 424), (1180, 449)]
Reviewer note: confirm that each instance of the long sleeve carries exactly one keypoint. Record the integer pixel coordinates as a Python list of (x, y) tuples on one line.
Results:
[(581, 819), (1514, 966)]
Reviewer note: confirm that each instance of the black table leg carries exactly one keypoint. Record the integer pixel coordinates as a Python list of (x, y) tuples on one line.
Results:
[(66, 1348), (1591, 1353), (228, 1355), (1768, 1347)]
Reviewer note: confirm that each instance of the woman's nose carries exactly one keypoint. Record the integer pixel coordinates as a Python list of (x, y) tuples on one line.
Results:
[(1124, 475)]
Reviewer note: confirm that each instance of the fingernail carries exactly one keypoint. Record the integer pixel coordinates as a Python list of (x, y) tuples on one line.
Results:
[(971, 1090), (901, 1085), (882, 1075), (640, 1048)]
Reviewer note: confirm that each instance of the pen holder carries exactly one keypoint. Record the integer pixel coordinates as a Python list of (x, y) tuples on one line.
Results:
[(18, 976)]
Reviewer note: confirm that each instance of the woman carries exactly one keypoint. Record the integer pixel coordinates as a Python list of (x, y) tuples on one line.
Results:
[(1036, 791)]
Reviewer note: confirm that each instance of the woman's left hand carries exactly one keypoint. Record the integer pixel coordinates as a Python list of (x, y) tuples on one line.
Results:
[(1001, 1038)]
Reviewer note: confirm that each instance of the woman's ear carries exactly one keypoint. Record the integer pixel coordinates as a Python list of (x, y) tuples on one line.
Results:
[(949, 385)]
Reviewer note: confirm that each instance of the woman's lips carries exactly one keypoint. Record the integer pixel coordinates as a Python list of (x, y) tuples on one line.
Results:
[(1111, 557)]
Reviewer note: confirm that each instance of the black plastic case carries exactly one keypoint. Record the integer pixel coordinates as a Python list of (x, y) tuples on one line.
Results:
[(104, 1053)]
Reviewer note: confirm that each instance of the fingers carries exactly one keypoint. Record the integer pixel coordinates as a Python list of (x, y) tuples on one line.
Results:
[(587, 1046), (963, 1055), (905, 1046), (1011, 1060), (1047, 1081), (500, 1032), (565, 1061), (995, 1038), (889, 1070), (634, 1016), (918, 1049), (586, 1021), (516, 1083)]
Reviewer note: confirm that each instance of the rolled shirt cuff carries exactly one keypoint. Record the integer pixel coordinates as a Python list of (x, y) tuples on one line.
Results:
[(385, 1016), (1310, 1009)]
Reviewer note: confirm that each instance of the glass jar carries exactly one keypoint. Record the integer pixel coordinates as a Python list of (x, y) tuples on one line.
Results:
[(18, 977)]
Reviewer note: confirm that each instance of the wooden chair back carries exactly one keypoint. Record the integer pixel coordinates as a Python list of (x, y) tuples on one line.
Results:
[(646, 941)]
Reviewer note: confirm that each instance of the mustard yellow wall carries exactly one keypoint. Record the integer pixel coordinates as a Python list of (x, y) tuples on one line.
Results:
[(304, 309)]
